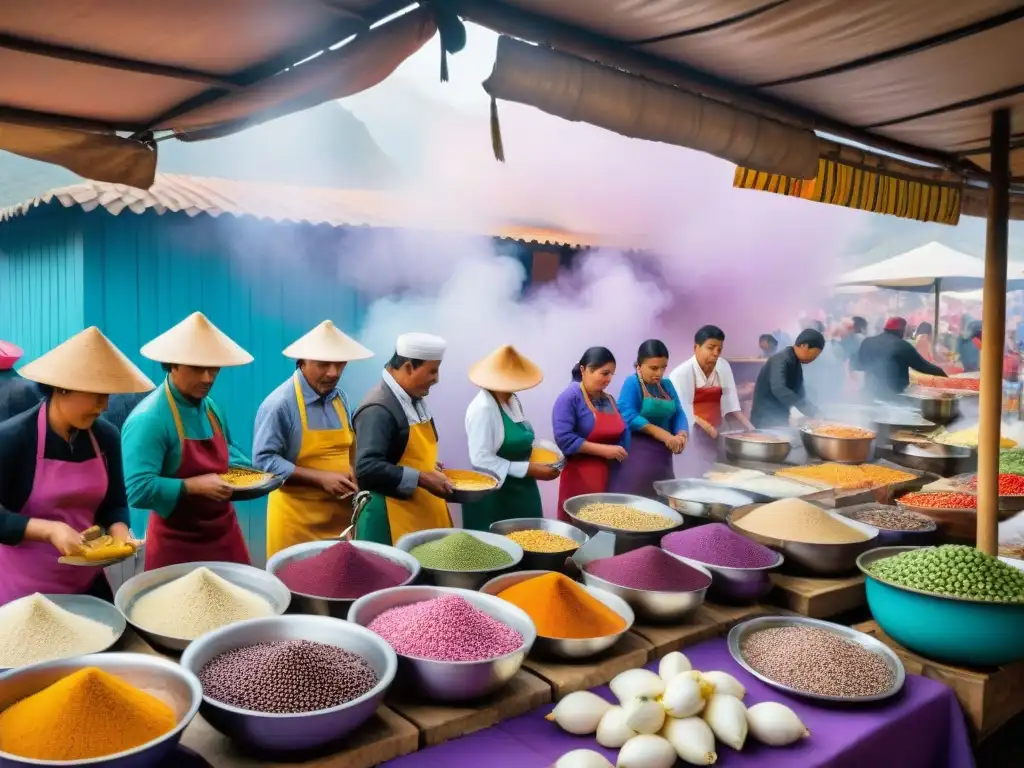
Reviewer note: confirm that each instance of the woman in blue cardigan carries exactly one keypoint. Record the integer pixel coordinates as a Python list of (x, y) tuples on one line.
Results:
[(654, 415)]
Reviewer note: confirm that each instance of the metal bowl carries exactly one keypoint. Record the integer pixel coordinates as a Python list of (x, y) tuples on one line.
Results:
[(937, 458), (264, 584), (468, 497), (953, 523), (818, 559), (625, 541), (316, 605), (952, 629), (461, 579), (700, 501), (258, 491), (736, 586), (774, 452), (841, 450), (742, 631), (451, 681), (553, 447), (87, 607), (282, 733), (542, 561), (568, 648), (167, 681), (941, 410), (660, 607), (888, 538)]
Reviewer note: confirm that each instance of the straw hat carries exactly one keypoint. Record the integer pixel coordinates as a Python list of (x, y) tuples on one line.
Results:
[(327, 344), (197, 342), (88, 362), (505, 370), (9, 355)]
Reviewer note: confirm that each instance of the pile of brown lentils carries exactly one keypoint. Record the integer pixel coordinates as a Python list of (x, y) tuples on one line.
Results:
[(816, 661)]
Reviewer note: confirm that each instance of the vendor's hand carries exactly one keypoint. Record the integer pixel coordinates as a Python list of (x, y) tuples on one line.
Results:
[(209, 486), (64, 538), (708, 428), (542, 471), (120, 534), (613, 452), (338, 484), (674, 444), (436, 483)]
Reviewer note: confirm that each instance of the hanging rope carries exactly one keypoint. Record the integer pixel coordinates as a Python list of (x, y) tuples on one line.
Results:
[(496, 143), (452, 33)]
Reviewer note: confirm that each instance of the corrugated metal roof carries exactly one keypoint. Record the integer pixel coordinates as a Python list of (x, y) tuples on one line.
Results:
[(194, 195)]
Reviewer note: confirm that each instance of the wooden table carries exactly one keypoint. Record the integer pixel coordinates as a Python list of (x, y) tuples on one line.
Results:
[(565, 677), (707, 621), (818, 598)]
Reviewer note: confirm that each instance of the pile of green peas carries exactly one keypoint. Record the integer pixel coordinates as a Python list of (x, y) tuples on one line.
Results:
[(955, 570)]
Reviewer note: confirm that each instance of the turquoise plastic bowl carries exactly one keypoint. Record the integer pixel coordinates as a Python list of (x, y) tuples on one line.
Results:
[(958, 631)]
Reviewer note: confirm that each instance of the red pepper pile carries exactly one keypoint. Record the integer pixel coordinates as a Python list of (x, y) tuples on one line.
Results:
[(1009, 485), (941, 500), (937, 382)]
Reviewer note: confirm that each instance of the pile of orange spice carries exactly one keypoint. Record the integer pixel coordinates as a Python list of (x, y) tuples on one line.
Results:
[(842, 431), (846, 477), (562, 609)]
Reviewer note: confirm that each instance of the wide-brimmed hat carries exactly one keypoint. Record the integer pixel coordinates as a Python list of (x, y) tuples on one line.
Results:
[(197, 342), (328, 345), (88, 362), (505, 370), (9, 355)]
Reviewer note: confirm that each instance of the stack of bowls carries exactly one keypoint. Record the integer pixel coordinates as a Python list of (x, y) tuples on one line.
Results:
[(461, 579), (625, 540), (542, 561), (654, 606)]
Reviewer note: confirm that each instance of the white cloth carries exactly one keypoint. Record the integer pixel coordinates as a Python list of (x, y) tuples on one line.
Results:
[(420, 346), (687, 376), (416, 412), (486, 432)]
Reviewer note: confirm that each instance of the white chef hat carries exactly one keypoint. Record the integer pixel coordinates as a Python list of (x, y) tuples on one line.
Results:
[(420, 346)]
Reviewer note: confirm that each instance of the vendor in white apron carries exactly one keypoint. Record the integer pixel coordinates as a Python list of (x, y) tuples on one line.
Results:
[(304, 434), (60, 469)]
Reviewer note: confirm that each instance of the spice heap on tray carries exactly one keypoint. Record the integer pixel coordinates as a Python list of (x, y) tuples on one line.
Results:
[(649, 568), (940, 500), (446, 628), (460, 552), (892, 519), (342, 572), (542, 541), (954, 570), (563, 609), (936, 382), (287, 677), (717, 544), (816, 661), (968, 438), (86, 715), (543, 456), (1012, 461), (841, 431), (624, 518), (796, 520), (759, 437), (35, 629), (846, 477), (195, 604), (468, 480), (1009, 484)]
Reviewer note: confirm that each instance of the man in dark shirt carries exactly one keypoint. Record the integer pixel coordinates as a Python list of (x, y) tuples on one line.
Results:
[(780, 384), (887, 360), (17, 394)]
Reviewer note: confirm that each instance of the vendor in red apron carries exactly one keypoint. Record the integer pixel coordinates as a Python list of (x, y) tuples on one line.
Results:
[(501, 440), (177, 444), (588, 428), (707, 391), (304, 434), (60, 469), (651, 409)]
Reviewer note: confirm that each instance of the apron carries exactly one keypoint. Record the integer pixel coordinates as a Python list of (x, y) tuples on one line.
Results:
[(649, 459), (584, 473), (707, 404), (518, 496), (386, 519), (62, 491), (198, 529), (297, 514)]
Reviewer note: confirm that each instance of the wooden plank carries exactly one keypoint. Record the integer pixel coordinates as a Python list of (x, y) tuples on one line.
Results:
[(566, 677), (990, 697), (439, 723), (818, 598), (729, 616), (383, 737)]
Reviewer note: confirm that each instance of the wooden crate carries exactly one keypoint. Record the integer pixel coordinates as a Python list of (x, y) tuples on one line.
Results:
[(566, 677), (438, 723), (706, 622), (989, 697), (818, 598)]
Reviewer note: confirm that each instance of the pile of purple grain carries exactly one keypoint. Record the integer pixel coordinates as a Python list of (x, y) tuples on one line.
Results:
[(717, 544), (816, 661), (649, 568), (892, 519), (287, 677)]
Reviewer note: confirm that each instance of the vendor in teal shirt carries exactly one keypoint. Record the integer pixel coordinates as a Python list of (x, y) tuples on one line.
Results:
[(176, 445)]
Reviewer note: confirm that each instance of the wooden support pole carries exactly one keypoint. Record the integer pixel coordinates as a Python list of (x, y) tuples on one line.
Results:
[(993, 323)]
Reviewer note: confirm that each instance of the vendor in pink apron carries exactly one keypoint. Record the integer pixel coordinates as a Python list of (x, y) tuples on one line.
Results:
[(60, 469), (177, 444), (707, 391), (650, 407)]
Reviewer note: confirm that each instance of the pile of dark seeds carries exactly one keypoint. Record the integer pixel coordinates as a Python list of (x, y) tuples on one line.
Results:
[(287, 677), (816, 661), (892, 519)]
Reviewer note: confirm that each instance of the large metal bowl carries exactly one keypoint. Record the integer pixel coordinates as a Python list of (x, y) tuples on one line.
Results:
[(316, 605), (461, 579), (659, 607), (818, 559), (542, 561), (739, 633), (941, 410), (264, 584), (282, 733), (553, 447), (736, 586), (841, 450), (774, 452), (568, 648), (625, 541), (700, 501), (937, 458), (888, 538), (451, 681), (468, 497), (167, 681)]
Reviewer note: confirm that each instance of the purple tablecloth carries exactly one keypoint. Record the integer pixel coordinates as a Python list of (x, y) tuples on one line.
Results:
[(922, 727)]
